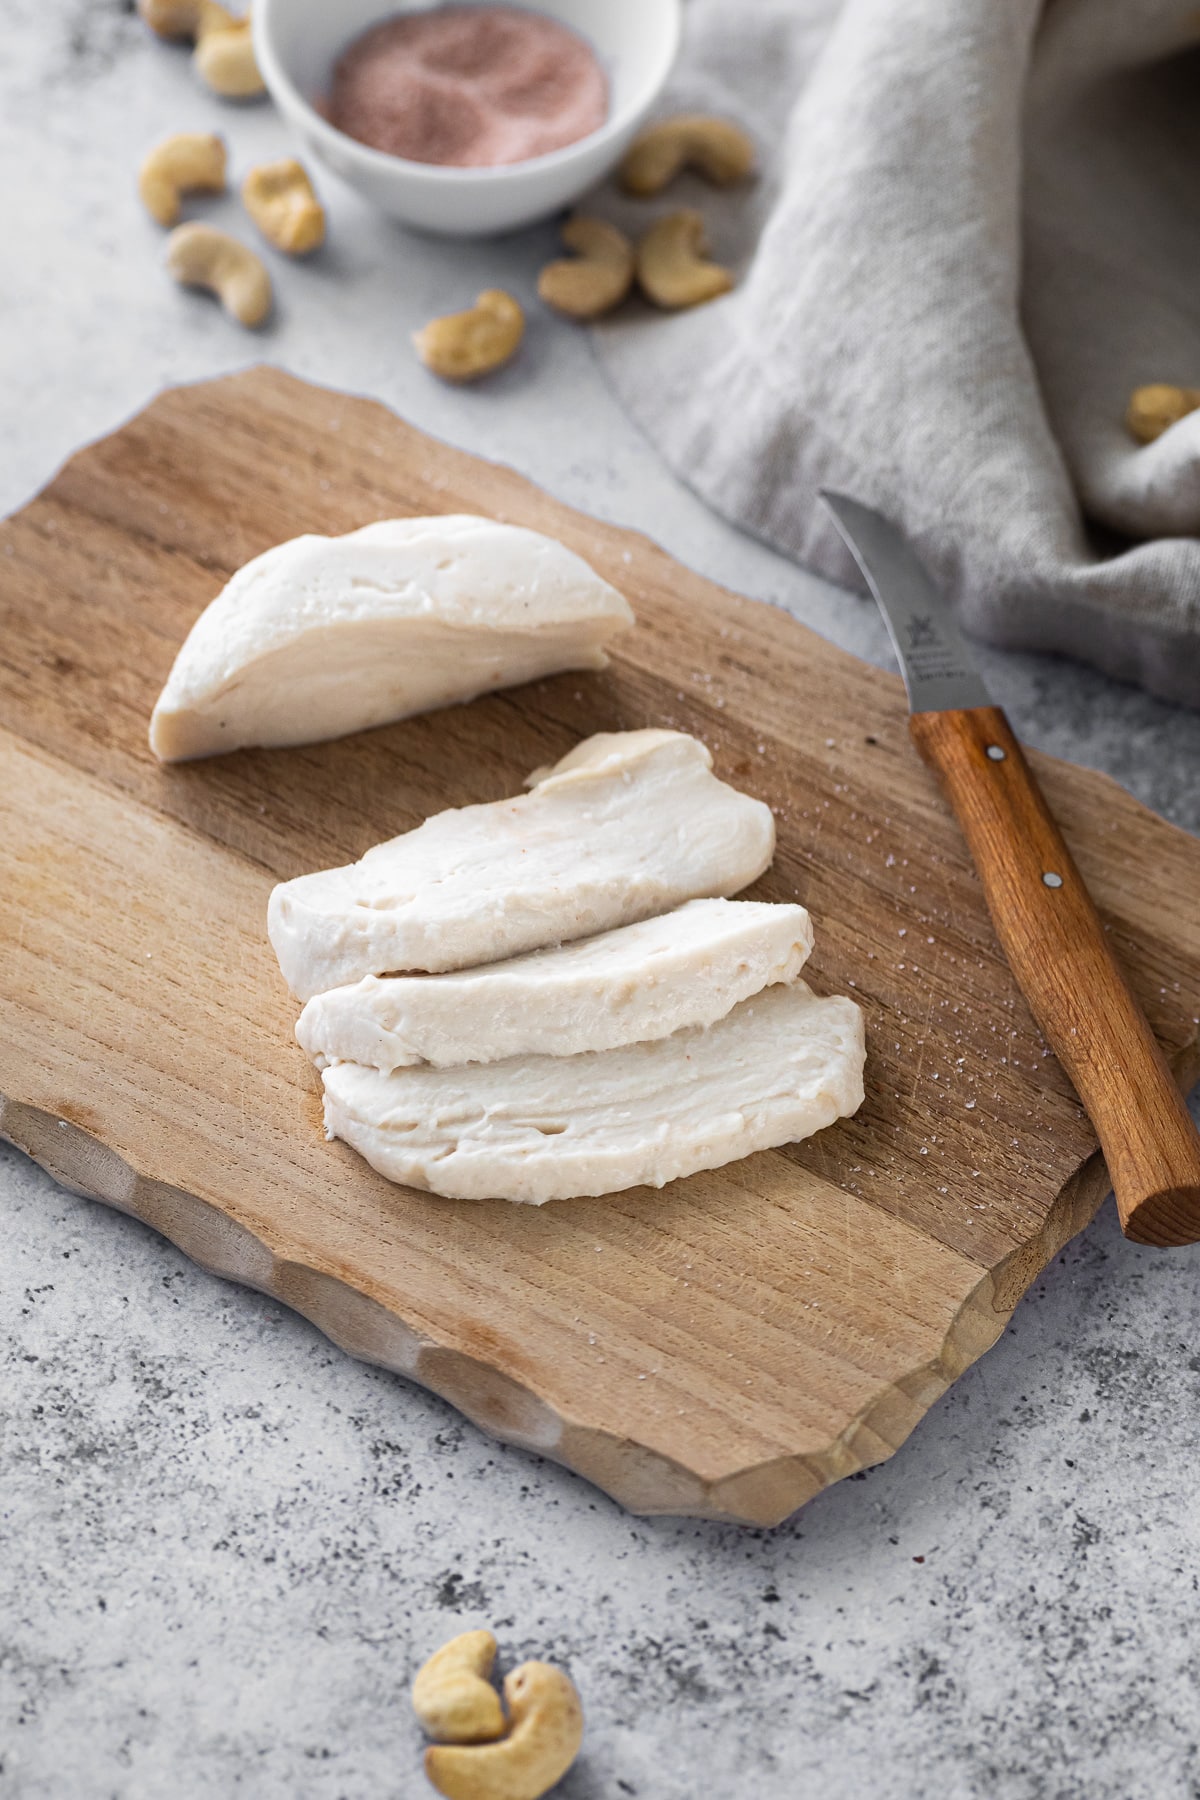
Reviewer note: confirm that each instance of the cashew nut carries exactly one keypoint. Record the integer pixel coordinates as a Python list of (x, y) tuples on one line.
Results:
[(1152, 410), (225, 60), (464, 345), (452, 1696), (189, 162), (715, 148), (224, 55), (597, 278), (671, 266), (546, 1732), (201, 256), (185, 18), (279, 198)]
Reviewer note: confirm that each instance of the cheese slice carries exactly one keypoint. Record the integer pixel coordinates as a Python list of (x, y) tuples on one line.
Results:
[(639, 982), (778, 1067), (323, 636), (629, 824)]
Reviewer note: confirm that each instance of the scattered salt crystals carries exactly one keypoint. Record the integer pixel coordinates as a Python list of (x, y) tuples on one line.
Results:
[(627, 556), (970, 1105), (903, 931)]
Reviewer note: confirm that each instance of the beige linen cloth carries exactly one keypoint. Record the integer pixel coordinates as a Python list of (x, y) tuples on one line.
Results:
[(976, 230)]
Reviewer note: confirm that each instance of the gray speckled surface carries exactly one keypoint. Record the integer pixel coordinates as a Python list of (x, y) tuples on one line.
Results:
[(224, 1545)]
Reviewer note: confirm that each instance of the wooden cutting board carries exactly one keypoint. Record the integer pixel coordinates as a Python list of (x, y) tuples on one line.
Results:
[(725, 1347)]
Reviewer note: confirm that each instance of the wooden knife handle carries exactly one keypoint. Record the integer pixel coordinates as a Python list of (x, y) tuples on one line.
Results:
[(1055, 943)]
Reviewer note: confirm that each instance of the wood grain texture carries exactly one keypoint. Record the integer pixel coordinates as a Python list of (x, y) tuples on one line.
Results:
[(1057, 947), (725, 1347)]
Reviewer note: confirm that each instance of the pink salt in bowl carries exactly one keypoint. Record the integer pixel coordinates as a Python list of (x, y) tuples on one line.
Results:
[(299, 42)]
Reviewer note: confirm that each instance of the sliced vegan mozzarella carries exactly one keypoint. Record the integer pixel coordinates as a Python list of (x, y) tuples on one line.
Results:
[(323, 636), (629, 824), (778, 1067), (644, 981)]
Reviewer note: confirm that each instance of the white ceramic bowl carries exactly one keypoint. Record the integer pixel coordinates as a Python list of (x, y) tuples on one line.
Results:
[(297, 43)]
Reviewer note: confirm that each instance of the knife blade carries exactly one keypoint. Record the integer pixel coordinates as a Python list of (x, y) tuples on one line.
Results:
[(1044, 917)]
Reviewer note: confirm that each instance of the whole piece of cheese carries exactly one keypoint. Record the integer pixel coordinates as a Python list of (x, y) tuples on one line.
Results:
[(629, 824), (323, 636), (778, 1067), (644, 981)]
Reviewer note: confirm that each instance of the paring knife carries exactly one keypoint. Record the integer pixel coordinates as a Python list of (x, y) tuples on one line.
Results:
[(1044, 916)]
